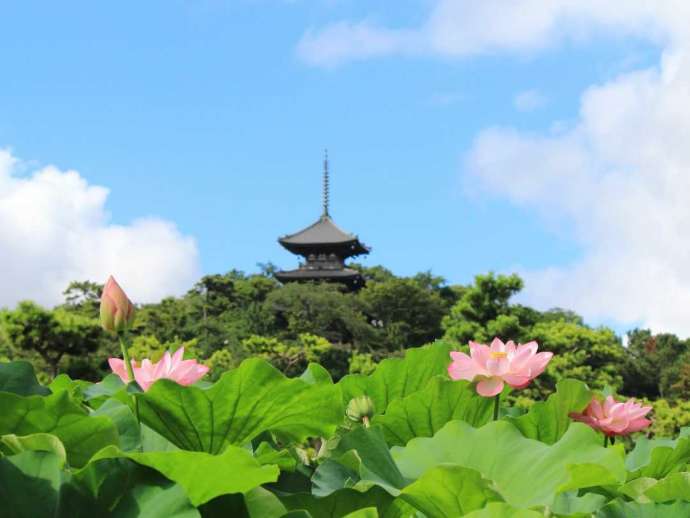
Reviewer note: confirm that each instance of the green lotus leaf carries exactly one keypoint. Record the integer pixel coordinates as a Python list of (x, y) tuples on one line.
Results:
[(315, 373), (572, 504), (525, 472), (108, 387), (449, 490), (396, 378), (267, 454), (153, 441), (257, 503), (19, 378), (334, 474), (501, 510), (57, 414), (423, 413), (261, 503), (675, 486), (12, 444), (376, 466), (155, 500), (367, 512), (121, 488), (656, 458), (76, 388), (582, 473), (30, 484), (547, 421), (620, 509), (106, 481), (125, 421), (202, 475), (636, 488), (401, 509), (244, 403), (339, 504), (33, 484)]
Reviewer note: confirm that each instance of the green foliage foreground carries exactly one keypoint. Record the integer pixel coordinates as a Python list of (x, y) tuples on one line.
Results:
[(259, 444)]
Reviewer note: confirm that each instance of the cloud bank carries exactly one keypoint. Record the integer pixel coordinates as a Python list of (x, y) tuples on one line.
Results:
[(619, 176), (459, 28), (54, 228)]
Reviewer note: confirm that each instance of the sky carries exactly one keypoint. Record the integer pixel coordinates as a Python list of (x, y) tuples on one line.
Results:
[(163, 140)]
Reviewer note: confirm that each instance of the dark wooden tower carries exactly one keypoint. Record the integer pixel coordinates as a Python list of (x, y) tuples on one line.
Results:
[(325, 247)]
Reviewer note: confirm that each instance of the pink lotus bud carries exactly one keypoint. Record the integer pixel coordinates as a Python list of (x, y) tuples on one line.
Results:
[(117, 311), (493, 366), (613, 417)]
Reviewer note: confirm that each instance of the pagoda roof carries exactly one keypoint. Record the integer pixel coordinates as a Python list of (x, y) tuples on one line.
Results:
[(303, 273), (345, 275), (323, 232)]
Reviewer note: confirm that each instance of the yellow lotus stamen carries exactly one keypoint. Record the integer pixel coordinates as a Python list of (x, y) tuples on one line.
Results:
[(495, 355)]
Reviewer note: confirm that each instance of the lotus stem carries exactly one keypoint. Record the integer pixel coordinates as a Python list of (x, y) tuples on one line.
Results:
[(125, 357), (606, 440), (130, 371), (497, 401)]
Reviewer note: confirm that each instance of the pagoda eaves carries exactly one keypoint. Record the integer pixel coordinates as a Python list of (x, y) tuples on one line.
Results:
[(324, 235)]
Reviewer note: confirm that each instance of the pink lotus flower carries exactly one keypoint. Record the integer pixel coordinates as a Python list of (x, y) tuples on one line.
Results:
[(501, 363), (613, 417), (117, 311), (184, 372)]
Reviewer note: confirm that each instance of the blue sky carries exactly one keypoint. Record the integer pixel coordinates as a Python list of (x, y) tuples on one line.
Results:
[(207, 114)]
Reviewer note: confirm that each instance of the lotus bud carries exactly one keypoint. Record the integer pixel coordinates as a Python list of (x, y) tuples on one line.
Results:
[(117, 311), (360, 409)]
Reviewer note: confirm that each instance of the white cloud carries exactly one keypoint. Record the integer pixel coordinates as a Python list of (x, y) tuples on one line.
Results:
[(621, 176), (344, 41), (54, 228), (469, 27), (529, 100)]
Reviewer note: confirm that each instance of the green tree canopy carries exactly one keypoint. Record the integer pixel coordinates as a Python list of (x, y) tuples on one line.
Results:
[(656, 364), (483, 311), (408, 311), (51, 334)]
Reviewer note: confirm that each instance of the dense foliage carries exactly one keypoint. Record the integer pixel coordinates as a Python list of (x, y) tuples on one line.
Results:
[(259, 444), (225, 319)]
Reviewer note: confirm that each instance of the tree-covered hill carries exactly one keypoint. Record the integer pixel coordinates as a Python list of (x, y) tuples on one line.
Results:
[(226, 318)]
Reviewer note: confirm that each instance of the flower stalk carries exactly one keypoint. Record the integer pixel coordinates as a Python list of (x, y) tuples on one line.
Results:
[(497, 401), (123, 336), (125, 356)]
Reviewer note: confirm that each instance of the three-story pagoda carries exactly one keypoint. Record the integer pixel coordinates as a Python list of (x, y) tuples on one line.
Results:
[(324, 247)]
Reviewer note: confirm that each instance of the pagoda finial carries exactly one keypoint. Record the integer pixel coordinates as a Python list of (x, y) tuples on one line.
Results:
[(325, 183)]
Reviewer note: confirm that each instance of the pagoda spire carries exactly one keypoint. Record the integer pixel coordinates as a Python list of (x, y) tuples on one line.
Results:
[(324, 247), (326, 185)]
